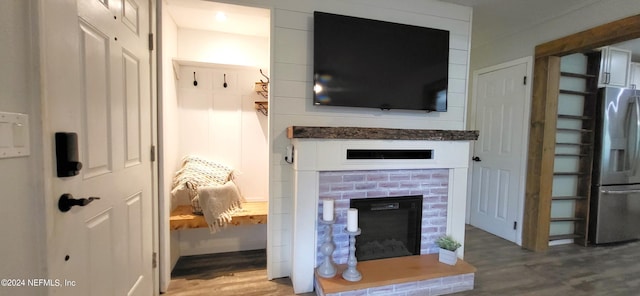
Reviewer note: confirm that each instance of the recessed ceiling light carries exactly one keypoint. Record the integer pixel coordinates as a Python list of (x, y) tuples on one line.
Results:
[(221, 16)]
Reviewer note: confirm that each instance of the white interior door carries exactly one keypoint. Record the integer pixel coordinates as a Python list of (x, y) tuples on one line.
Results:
[(497, 182), (97, 84)]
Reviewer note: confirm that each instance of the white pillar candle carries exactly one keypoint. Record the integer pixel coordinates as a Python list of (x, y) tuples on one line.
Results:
[(352, 220), (327, 209)]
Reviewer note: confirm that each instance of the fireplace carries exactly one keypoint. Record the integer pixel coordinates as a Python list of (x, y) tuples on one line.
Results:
[(391, 226), (318, 157)]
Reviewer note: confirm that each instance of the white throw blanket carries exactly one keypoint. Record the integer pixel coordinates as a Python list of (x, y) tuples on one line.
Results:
[(195, 172), (218, 203)]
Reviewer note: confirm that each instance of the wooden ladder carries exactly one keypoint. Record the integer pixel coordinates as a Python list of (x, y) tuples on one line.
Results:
[(581, 149)]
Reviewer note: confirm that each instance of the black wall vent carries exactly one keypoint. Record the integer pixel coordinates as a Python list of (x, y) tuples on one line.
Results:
[(389, 154)]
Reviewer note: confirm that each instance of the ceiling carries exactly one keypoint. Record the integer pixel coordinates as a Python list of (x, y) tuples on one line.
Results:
[(492, 19), (202, 15), (495, 19)]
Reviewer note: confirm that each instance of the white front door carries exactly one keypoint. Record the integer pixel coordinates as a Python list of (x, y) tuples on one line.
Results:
[(96, 83), (497, 183)]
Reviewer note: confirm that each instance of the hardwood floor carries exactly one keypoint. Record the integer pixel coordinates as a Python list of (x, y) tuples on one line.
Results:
[(226, 274), (503, 269), (567, 270)]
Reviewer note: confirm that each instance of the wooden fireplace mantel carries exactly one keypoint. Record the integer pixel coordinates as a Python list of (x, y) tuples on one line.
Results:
[(369, 133)]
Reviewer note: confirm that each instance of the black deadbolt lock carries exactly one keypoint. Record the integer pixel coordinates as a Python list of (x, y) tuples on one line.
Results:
[(67, 163)]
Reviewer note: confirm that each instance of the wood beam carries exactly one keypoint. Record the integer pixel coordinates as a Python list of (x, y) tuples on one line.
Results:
[(542, 134), (611, 33)]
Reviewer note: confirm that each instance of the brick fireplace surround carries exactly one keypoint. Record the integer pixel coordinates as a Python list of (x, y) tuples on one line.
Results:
[(322, 170), (342, 186)]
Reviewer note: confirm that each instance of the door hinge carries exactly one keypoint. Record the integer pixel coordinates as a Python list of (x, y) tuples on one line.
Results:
[(524, 80), (153, 153), (154, 260), (150, 41), (515, 225)]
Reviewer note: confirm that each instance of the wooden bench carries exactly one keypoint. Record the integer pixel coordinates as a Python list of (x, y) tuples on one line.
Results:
[(251, 213)]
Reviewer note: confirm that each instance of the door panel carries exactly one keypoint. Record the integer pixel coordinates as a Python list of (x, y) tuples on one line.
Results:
[(483, 191), (135, 245), (99, 232), (506, 130), (502, 201), (130, 12), (500, 96), (131, 74), (94, 63), (486, 119)]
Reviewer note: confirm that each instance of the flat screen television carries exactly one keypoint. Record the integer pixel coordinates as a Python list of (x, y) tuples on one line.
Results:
[(361, 62)]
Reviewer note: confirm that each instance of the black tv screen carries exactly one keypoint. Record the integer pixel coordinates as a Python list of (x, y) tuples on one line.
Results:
[(369, 63)]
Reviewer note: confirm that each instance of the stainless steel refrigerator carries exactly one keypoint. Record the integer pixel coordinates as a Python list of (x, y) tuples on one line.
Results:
[(615, 192)]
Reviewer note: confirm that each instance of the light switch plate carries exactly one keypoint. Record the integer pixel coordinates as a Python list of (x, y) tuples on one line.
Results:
[(14, 135)]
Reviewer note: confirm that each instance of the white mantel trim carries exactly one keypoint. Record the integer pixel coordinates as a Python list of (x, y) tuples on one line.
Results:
[(314, 155)]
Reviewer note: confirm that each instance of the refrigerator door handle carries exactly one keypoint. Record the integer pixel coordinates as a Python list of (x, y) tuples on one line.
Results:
[(636, 157), (620, 191)]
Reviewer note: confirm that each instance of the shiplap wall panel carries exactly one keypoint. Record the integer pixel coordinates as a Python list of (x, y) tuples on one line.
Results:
[(457, 71), (291, 45), (438, 8), (456, 100), (294, 72), (458, 56), (292, 89), (457, 41), (293, 19)]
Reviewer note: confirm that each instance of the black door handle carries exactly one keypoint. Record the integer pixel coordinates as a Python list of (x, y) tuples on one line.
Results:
[(475, 158), (67, 201)]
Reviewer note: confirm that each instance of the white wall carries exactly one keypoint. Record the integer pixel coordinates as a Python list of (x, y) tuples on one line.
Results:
[(168, 150), (21, 179), (522, 44), (221, 123), (232, 239), (223, 48)]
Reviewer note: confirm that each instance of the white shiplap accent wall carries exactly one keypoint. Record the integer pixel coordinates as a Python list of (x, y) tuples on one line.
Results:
[(291, 96), (291, 99)]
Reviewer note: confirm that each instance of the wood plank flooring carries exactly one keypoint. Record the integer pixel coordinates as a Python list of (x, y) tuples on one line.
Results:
[(226, 274), (503, 269), (567, 270)]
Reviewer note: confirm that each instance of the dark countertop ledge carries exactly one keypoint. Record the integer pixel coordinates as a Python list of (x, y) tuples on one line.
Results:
[(367, 133)]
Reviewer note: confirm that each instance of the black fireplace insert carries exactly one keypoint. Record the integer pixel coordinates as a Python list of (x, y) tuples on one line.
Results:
[(391, 226)]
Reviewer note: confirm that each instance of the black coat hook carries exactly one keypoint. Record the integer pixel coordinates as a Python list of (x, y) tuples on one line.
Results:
[(225, 81), (195, 82), (265, 76)]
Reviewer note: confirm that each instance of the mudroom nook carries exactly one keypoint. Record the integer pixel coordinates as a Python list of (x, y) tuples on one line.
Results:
[(215, 130)]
